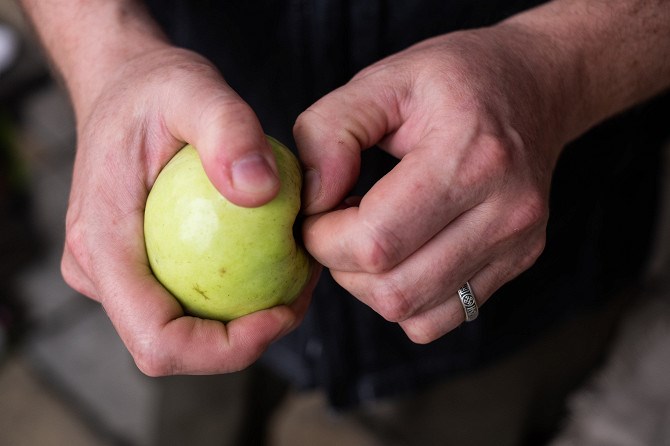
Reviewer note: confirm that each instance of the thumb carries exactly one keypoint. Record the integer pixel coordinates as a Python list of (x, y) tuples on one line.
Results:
[(225, 131), (237, 156), (330, 136)]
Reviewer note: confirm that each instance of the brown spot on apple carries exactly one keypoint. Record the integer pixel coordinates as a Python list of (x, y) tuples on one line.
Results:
[(198, 290)]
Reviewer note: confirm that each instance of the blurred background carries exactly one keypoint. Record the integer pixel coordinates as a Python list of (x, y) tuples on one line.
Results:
[(65, 377)]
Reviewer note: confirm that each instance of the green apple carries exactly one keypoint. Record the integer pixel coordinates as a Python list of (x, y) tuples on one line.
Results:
[(222, 261)]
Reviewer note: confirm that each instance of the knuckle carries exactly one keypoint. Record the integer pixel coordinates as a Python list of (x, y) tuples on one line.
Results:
[(423, 332), (378, 252), (490, 163), (73, 261), (307, 121), (530, 214), (66, 270), (150, 362), (301, 122), (525, 257), (150, 369), (391, 302), (76, 235), (74, 240), (71, 276), (422, 336), (533, 252), (496, 156)]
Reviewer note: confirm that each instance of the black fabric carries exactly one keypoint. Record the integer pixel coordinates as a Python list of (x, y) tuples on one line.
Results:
[(283, 55)]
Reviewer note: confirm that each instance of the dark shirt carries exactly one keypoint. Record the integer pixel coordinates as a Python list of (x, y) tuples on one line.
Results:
[(281, 56)]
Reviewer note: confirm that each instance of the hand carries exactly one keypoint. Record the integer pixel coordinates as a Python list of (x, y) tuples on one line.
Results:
[(146, 111), (473, 116)]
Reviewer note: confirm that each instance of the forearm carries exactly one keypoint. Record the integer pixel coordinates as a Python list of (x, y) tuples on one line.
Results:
[(606, 55), (88, 40)]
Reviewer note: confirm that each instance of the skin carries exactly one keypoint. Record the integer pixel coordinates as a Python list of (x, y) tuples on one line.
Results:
[(478, 118)]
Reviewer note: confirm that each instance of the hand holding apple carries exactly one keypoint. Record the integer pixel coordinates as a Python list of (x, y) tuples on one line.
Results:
[(220, 260), (138, 117)]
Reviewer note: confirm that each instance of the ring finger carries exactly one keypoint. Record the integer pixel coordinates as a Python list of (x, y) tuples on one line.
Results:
[(421, 292)]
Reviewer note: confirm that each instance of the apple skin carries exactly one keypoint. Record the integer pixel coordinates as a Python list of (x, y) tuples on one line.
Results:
[(219, 260)]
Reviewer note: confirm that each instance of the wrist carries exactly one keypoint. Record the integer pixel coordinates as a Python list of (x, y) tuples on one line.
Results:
[(88, 42), (596, 58), (550, 106)]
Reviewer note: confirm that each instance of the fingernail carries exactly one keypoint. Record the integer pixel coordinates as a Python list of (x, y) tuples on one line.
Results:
[(312, 187), (253, 174)]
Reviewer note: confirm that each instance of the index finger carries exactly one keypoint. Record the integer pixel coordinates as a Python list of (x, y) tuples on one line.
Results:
[(402, 211)]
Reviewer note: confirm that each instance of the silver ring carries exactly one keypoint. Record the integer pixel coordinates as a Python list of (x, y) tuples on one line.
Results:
[(469, 302)]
